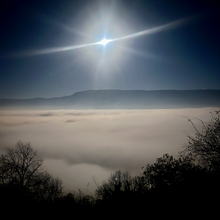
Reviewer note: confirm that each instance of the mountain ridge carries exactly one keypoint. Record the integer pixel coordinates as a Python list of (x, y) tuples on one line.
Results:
[(112, 98)]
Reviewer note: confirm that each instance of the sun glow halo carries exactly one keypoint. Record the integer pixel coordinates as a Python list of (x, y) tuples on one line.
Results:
[(104, 41)]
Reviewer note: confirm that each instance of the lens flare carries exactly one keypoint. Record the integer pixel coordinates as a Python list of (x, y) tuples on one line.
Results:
[(104, 41)]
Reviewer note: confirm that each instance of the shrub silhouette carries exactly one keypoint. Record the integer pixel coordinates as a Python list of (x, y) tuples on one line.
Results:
[(177, 183), (204, 147), (118, 183), (78, 198), (120, 193), (168, 171)]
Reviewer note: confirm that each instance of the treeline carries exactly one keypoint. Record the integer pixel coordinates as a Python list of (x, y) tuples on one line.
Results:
[(184, 187)]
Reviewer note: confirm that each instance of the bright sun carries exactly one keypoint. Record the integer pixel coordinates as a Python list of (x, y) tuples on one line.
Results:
[(104, 41)]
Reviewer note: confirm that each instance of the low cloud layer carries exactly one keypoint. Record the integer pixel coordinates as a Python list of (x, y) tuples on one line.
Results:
[(79, 145)]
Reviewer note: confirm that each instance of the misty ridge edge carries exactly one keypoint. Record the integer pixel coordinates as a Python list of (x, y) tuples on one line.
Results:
[(122, 99)]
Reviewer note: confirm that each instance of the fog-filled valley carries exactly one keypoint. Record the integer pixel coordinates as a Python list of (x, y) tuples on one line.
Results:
[(77, 145)]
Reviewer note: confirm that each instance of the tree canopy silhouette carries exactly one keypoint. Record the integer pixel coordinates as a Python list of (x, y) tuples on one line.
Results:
[(169, 175), (21, 169), (20, 166), (118, 182)]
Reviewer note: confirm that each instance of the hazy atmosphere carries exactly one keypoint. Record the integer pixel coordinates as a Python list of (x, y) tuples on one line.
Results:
[(109, 105), (79, 144)]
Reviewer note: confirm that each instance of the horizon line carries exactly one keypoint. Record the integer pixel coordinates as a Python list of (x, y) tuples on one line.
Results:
[(108, 90)]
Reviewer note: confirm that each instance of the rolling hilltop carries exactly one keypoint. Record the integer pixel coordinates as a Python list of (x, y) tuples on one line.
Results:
[(121, 99)]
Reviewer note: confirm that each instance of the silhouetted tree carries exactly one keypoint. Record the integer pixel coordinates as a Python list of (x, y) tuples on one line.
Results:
[(47, 188), (168, 171), (21, 170), (177, 182), (83, 199), (121, 191), (205, 145), (20, 166), (118, 182)]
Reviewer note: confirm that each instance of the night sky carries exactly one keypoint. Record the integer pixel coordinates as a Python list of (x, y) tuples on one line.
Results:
[(180, 56)]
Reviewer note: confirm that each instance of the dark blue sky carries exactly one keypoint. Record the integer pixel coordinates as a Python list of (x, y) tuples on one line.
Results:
[(182, 57)]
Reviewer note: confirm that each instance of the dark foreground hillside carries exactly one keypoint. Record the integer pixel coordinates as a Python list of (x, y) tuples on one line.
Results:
[(196, 195)]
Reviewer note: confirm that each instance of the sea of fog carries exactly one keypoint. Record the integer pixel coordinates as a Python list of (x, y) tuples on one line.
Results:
[(79, 145)]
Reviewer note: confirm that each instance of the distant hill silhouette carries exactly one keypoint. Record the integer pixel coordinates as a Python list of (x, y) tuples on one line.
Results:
[(121, 99)]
